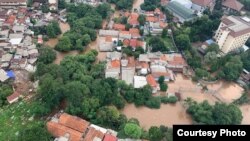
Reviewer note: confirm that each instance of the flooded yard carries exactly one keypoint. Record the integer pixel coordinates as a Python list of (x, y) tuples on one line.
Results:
[(187, 88), (167, 115)]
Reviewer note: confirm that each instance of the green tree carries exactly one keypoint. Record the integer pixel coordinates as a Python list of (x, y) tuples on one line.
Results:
[(161, 79), (210, 57), (142, 19), (132, 130), (226, 114), (213, 48), (34, 133), (155, 134), (5, 91), (157, 44), (164, 33), (62, 4), (86, 39), (183, 42), (232, 69), (163, 87), (104, 9), (46, 55), (64, 44), (50, 31)]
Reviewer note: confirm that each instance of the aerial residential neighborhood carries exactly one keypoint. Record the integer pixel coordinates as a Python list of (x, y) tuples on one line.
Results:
[(121, 70)]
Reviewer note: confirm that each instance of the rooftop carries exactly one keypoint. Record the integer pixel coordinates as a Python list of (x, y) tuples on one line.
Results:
[(236, 25), (74, 122), (202, 3), (180, 10), (233, 4)]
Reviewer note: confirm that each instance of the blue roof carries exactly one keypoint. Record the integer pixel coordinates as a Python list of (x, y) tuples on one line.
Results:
[(10, 74), (210, 41)]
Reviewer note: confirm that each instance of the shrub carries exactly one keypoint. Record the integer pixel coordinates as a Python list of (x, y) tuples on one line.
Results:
[(154, 102), (171, 99), (163, 87)]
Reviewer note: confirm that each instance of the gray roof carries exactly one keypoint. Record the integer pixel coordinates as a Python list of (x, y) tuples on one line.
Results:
[(180, 10), (14, 35), (113, 33), (6, 57)]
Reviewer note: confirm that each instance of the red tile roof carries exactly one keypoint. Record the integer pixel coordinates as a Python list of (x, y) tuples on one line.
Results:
[(127, 14), (151, 81), (151, 19), (134, 32), (163, 25), (109, 137), (92, 133), (133, 43), (11, 19), (233, 4), (115, 63), (126, 42), (119, 27), (157, 11), (124, 32), (133, 19), (13, 96), (74, 122), (58, 130), (202, 3)]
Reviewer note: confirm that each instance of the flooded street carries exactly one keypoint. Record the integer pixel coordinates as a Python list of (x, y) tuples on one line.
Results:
[(167, 115)]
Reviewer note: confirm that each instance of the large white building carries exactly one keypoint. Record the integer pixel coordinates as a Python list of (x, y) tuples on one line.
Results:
[(232, 33)]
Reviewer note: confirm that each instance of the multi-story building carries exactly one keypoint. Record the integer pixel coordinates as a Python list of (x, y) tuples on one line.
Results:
[(233, 32)]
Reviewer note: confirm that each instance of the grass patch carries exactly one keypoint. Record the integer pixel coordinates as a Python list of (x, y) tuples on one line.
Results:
[(14, 118), (168, 42)]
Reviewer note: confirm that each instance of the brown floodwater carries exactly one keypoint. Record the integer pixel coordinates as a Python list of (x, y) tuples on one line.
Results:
[(167, 115), (245, 109)]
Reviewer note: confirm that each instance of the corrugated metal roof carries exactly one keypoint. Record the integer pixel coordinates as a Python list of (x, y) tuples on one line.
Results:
[(180, 10)]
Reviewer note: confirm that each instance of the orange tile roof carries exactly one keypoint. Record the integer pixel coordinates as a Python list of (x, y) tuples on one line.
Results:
[(58, 130), (133, 43), (92, 133), (119, 27), (139, 43), (109, 137), (163, 25), (108, 38), (11, 19), (74, 122), (13, 96), (144, 65), (126, 42), (151, 19), (131, 62), (115, 63), (134, 31), (134, 19), (151, 81)]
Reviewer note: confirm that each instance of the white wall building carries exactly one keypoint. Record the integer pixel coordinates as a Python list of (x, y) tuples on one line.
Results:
[(232, 33)]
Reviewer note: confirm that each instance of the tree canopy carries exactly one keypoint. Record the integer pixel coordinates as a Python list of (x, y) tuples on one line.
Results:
[(133, 130), (220, 113)]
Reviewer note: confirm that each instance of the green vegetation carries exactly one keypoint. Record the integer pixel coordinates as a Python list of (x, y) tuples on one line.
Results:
[(246, 4), (5, 91), (53, 29), (133, 130), (220, 113), (18, 118), (156, 44), (150, 5), (46, 55), (171, 99), (122, 4), (244, 99), (83, 20)]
